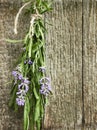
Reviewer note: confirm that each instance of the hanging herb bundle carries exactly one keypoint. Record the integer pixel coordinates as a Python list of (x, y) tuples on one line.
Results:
[(30, 84)]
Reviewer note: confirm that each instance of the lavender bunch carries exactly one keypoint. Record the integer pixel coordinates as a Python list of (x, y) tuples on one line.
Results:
[(31, 86)]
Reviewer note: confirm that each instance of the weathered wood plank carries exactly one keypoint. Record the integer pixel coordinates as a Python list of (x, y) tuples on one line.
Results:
[(64, 63), (90, 62), (9, 120)]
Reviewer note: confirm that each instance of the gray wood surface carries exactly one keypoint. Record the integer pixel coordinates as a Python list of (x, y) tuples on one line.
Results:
[(64, 60), (90, 62), (9, 120), (71, 59)]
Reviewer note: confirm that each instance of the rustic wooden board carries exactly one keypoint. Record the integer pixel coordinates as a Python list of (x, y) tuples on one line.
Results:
[(9, 120), (64, 63), (71, 56), (90, 62)]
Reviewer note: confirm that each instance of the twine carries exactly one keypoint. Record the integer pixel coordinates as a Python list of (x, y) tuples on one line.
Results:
[(17, 16)]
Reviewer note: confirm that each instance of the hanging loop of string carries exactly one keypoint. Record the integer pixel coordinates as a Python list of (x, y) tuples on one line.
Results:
[(17, 16)]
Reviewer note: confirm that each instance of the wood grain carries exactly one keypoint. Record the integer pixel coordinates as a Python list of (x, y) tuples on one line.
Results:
[(90, 62), (71, 58), (64, 60), (9, 120)]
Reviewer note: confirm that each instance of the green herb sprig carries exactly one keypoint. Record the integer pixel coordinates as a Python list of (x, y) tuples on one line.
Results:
[(30, 84)]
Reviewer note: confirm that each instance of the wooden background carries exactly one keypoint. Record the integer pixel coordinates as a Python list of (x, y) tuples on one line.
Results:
[(71, 54)]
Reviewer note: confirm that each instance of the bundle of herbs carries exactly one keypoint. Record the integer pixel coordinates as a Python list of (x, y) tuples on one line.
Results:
[(31, 86)]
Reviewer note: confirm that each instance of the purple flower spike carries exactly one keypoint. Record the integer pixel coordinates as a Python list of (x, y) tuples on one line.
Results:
[(20, 77), (26, 81), (23, 86), (20, 101), (14, 73), (45, 89), (45, 93), (30, 62)]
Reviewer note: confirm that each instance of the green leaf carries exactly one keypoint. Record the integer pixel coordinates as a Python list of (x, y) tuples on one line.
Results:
[(37, 46), (38, 124), (35, 93), (41, 32), (13, 41), (30, 48), (13, 97), (37, 110), (33, 68), (46, 7), (26, 114), (26, 39), (42, 109)]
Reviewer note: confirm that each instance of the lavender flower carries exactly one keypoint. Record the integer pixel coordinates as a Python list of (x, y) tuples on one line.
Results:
[(22, 90), (45, 89), (14, 73), (30, 62), (42, 69), (45, 86), (20, 77), (17, 75), (23, 86), (26, 81), (20, 101)]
